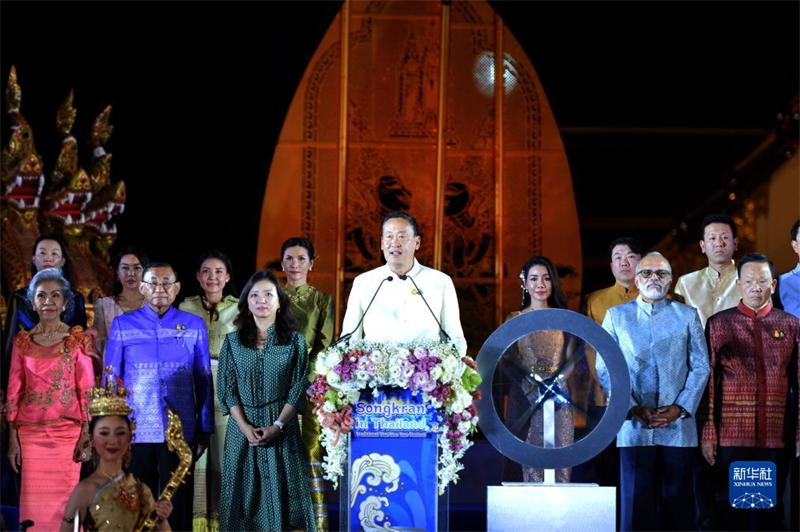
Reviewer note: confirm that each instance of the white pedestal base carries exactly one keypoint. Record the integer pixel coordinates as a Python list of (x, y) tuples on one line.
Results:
[(550, 508)]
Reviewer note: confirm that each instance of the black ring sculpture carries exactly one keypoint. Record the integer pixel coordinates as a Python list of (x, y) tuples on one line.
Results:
[(593, 443)]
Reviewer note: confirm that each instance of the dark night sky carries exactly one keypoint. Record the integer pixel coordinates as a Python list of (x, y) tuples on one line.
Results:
[(200, 91)]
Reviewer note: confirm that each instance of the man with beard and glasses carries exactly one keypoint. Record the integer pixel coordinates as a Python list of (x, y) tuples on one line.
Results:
[(663, 344)]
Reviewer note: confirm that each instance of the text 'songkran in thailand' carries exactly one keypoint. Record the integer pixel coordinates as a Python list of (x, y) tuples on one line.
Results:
[(446, 381)]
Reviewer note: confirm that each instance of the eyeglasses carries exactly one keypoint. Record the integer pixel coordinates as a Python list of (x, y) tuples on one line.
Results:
[(661, 274), (166, 285)]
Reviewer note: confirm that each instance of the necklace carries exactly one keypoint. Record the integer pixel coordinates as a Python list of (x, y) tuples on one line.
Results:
[(123, 497), (49, 335), (122, 310), (300, 298)]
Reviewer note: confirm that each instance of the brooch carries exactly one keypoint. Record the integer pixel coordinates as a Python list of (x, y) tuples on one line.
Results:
[(127, 500), (180, 327), (778, 334)]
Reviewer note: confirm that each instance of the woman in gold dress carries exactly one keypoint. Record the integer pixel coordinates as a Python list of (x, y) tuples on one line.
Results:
[(110, 498), (541, 353), (313, 311), (218, 307)]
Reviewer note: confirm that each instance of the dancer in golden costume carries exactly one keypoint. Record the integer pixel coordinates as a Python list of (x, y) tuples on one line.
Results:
[(313, 311), (111, 499)]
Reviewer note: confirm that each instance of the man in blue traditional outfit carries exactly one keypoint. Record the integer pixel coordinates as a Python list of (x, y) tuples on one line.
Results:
[(162, 355), (665, 348)]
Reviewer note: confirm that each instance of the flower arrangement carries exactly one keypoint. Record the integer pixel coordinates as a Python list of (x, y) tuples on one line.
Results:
[(447, 381)]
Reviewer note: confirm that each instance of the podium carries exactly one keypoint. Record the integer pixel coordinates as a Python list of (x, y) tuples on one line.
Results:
[(390, 478), (396, 421)]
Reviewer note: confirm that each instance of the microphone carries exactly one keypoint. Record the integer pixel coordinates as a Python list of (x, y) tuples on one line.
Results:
[(348, 335), (443, 336)]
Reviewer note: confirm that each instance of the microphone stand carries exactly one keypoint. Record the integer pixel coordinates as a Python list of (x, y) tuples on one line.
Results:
[(347, 336), (443, 336)]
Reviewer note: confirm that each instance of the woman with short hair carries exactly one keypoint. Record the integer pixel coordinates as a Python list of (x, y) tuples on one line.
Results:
[(47, 402), (49, 251)]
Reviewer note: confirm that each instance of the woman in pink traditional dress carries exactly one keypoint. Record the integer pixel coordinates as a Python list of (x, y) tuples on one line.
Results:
[(47, 409), (128, 265)]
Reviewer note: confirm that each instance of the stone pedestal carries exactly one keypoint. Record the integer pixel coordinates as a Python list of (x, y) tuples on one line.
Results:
[(550, 508)]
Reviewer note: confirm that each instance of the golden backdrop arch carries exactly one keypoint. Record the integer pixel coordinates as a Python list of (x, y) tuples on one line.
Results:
[(428, 128)]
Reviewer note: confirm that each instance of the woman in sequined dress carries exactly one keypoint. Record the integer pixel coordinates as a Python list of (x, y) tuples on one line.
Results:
[(542, 353)]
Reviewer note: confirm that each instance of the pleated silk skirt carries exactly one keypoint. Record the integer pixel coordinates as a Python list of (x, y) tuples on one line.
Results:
[(48, 473)]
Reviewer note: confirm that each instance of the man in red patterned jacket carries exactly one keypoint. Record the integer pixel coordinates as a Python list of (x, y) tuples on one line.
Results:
[(753, 355)]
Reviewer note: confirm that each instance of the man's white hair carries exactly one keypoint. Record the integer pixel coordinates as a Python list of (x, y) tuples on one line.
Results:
[(653, 254)]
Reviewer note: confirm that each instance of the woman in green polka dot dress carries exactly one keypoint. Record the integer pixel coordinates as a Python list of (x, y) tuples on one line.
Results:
[(262, 382)]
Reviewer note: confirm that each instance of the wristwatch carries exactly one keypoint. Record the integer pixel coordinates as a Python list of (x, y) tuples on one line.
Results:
[(278, 423), (684, 412)]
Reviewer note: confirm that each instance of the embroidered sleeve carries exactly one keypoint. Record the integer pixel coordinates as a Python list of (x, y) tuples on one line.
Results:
[(16, 377), (84, 378), (203, 385), (297, 390), (80, 339), (324, 330)]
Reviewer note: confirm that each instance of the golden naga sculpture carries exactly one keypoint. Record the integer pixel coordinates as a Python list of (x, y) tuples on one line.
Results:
[(79, 205), (176, 444)]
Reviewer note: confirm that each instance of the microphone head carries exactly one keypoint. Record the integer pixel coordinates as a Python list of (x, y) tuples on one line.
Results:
[(389, 278), (402, 277)]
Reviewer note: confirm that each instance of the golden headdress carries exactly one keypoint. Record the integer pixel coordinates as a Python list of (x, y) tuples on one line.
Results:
[(109, 400)]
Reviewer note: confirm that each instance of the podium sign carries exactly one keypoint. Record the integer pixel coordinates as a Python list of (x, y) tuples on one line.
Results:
[(394, 413), (392, 463)]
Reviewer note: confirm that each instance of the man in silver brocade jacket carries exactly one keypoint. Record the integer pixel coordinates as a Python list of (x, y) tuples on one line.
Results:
[(667, 356)]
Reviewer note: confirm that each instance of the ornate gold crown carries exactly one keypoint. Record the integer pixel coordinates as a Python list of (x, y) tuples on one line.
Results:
[(109, 400)]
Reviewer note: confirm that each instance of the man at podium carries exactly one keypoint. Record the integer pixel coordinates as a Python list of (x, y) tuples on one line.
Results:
[(407, 301)]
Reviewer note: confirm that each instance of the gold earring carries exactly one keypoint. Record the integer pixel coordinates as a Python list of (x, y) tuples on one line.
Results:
[(126, 459)]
